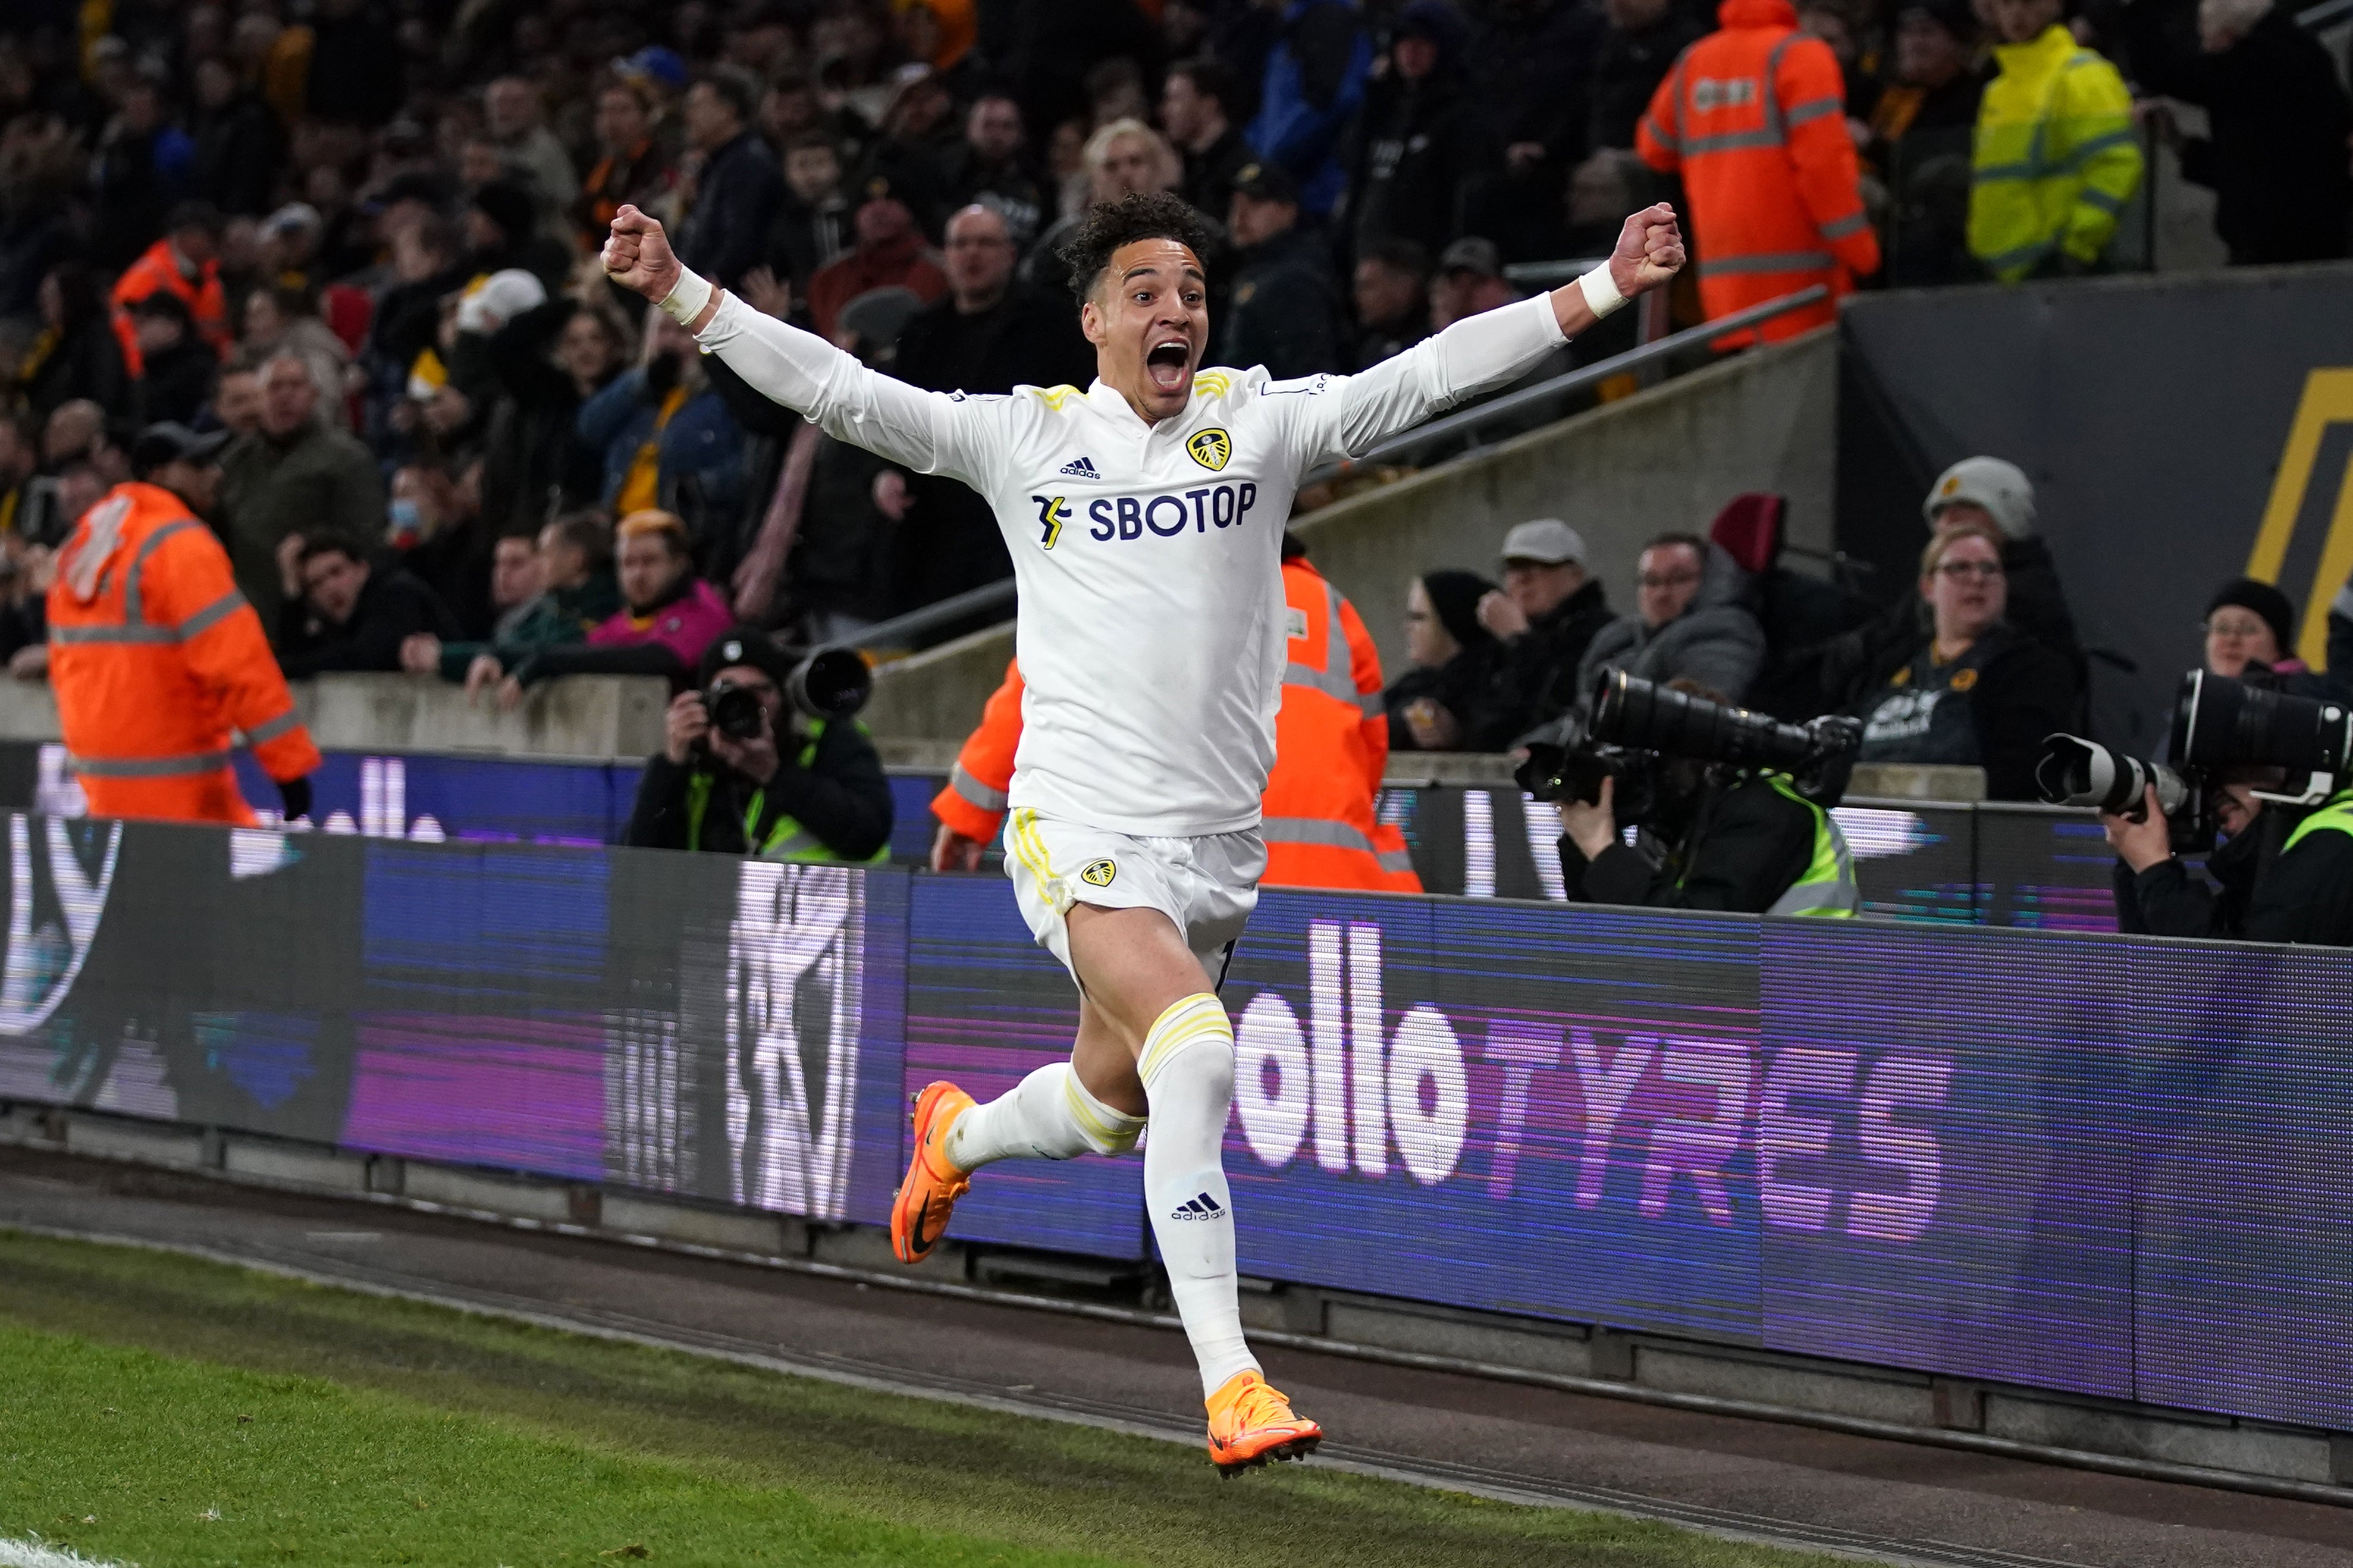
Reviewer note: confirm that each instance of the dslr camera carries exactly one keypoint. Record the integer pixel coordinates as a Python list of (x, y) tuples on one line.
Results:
[(1627, 728), (831, 683), (2224, 730)]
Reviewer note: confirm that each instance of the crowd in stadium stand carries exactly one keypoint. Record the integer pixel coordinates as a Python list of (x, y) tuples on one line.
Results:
[(359, 237)]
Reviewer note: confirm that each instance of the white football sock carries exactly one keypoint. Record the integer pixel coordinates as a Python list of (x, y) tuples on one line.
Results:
[(1187, 1068), (1048, 1115)]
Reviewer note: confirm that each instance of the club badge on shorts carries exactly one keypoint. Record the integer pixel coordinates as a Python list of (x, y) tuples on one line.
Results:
[(1098, 873), (1210, 448)]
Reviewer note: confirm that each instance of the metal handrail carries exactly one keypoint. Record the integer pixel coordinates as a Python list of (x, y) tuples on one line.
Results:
[(1553, 274), (2322, 14), (1572, 381), (990, 596)]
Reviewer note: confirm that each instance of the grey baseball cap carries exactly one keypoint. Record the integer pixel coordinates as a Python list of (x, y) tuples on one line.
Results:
[(1545, 540)]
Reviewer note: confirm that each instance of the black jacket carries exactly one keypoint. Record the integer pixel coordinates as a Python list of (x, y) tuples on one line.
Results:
[(2276, 160), (1210, 173), (240, 147), (1746, 846), (2024, 691), (1417, 148), (1459, 686), (391, 607), (841, 797), (176, 381), (1535, 677), (736, 201), (2303, 894), (533, 462), (1858, 663), (1627, 70), (1285, 310)]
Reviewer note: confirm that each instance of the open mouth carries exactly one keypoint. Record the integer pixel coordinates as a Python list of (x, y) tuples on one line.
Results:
[(1167, 363)]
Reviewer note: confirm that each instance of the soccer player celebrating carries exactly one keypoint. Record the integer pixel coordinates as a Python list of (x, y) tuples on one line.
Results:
[(1144, 515)]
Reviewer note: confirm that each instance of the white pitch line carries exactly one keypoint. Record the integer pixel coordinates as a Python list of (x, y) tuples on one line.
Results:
[(34, 1553)]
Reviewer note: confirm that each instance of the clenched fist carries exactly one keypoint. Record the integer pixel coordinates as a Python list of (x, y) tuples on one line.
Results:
[(638, 255), (1649, 251)]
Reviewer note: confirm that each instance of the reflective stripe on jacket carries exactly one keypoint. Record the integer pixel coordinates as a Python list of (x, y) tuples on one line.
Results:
[(786, 838), (2056, 158), (2334, 815), (1330, 746), (1827, 888), (1754, 119), (208, 302), (156, 658)]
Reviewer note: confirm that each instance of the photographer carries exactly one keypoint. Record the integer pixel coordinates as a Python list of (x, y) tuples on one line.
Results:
[(1740, 839), (744, 771), (2282, 875)]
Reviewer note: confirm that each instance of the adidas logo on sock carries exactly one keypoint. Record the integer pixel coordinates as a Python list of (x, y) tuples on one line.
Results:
[(1079, 467), (1203, 1207)]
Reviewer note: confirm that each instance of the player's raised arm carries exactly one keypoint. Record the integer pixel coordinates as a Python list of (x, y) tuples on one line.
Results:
[(927, 431), (1492, 347)]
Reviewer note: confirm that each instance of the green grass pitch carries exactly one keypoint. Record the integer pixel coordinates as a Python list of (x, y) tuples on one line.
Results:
[(175, 1412)]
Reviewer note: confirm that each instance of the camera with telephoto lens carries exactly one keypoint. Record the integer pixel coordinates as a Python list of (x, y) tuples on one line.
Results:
[(1627, 726), (831, 683), (2224, 730)]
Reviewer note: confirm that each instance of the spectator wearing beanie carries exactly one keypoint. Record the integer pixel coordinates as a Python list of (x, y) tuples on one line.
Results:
[(2251, 623), (1452, 662)]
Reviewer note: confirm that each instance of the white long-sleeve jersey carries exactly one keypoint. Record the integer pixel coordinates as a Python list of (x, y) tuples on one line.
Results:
[(1147, 557)]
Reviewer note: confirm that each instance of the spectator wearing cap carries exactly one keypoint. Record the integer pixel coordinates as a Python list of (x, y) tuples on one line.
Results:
[(1451, 662), (1392, 293), (1284, 312), (1919, 147), (1196, 109), (737, 189), (296, 474), (667, 440), (632, 166), (1469, 281), (1544, 617), (1421, 143), (1641, 44), (514, 115), (1688, 623), (184, 261), (176, 372), (290, 246), (1990, 491), (2278, 117), (795, 789), (342, 610), (1314, 85), (240, 145), (78, 354), (888, 252)]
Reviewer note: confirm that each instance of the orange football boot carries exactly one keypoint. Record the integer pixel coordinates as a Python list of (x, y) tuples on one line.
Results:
[(933, 1185), (1250, 1423)]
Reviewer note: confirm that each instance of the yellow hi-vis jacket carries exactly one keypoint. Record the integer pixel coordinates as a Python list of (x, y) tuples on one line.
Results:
[(2055, 160)]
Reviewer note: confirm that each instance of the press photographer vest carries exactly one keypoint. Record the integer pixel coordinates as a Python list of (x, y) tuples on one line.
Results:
[(787, 839), (2334, 815), (1928, 714), (1827, 890)]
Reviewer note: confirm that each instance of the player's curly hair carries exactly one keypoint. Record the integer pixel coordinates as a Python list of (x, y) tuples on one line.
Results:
[(1139, 215)]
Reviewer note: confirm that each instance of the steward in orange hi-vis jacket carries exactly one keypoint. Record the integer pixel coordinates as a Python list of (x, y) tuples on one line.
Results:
[(1331, 743), (1754, 119), (155, 657)]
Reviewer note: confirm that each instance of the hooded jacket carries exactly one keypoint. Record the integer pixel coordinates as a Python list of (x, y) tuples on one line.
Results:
[(1716, 641)]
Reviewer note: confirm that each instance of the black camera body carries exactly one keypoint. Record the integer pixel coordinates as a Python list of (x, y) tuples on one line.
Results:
[(2224, 730), (736, 709), (1628, 728), (830, 684)]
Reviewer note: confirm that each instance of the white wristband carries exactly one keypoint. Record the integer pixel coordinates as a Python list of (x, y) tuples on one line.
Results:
[(1601, 292), (686, 301)]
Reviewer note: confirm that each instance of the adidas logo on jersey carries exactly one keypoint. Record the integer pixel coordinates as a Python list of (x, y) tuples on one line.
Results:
[(1203, 1207), (1079, 467)]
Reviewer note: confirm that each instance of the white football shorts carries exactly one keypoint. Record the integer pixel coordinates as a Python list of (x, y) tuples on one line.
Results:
[(1207, 886)]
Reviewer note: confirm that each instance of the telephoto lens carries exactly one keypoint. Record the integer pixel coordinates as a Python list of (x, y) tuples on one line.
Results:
[(2221, 724), (831, 683), (1633, 712), (2078, 772)]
